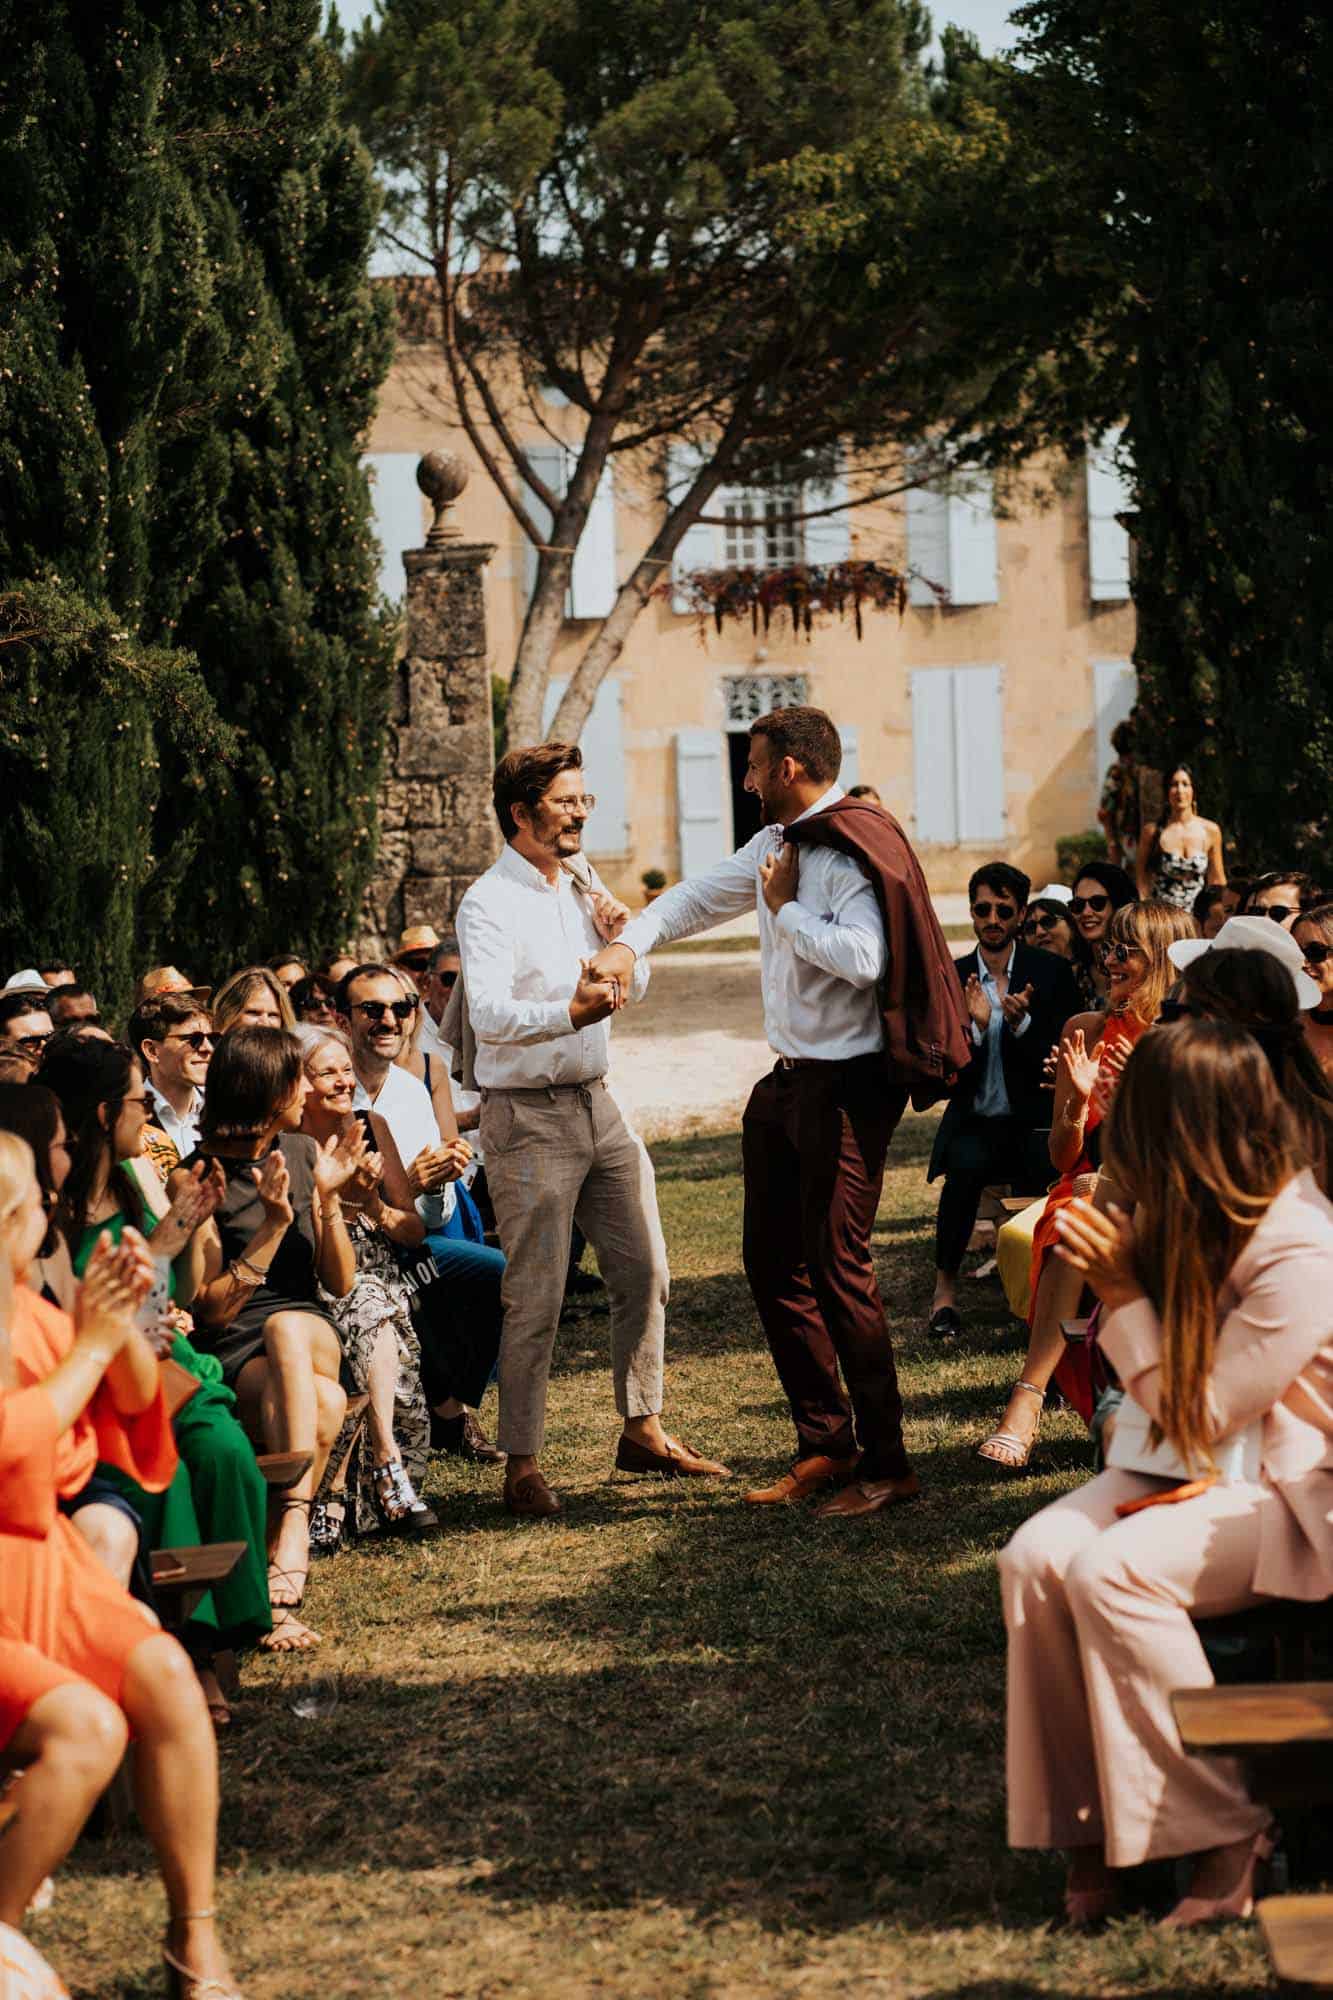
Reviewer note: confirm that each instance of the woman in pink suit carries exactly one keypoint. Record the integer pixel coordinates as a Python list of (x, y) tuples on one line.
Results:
[(1218, 1302)]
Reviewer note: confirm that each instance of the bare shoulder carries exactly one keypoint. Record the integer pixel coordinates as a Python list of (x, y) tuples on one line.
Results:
[(1088, 1025)]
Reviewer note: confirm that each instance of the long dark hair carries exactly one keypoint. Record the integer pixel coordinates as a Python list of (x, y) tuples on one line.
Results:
[(34, 1114), (90, 1077), (251, 1076), (1155, 837)]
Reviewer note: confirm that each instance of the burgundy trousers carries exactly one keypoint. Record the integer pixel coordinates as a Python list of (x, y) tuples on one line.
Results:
[(814, 1141)]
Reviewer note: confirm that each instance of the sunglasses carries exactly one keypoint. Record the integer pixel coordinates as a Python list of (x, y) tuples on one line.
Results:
[(1279, 912), (1078, 904), (1315, 954), (1002, 910), (198, 1040), (448, 980), (375, 1010), (1041, 922), (31, 1044), (316, 1006), (1176, 1010), (414, 961), (1118, 954)]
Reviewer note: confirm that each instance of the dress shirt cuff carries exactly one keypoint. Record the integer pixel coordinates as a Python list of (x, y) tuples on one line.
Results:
[(790, 918), (640, 934), (978, 1034), (1022, 1027)]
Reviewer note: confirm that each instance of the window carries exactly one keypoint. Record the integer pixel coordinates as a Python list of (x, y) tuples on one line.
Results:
[(1110, 493), (761, 530), (592, 582), (748, 696), (758, 530), (951, 545), (958, 754)]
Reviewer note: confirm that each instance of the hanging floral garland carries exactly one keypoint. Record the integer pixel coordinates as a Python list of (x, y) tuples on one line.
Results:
[(803, 591)]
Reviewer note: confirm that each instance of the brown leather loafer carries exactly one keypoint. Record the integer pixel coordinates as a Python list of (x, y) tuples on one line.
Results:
[(678, 1461), (530, 1498), (869, 1496), (807, 1476)]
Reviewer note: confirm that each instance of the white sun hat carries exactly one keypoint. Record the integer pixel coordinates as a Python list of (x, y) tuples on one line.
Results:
[(1252, 934), (28, 981), (1054, 892)]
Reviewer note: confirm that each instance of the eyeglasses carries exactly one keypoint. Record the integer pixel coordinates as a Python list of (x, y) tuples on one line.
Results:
[(1078, 904), (1002, 910), (1043, 921), (414, 961), (584, 805), (133, 1100), (1118, 954), (1315, 954), (32, 1045), (1279, 912), (198, 1039), (375, 1010), (448, 980), (1176, 1010), (316, 1006)]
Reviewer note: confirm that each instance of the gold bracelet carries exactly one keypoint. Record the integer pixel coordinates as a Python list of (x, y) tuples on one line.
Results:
[(334, 1214)]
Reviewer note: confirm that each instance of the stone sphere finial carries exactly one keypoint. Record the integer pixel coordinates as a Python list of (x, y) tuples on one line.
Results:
[(442, 476)]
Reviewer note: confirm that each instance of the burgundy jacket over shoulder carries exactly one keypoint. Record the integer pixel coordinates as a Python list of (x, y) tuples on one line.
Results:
[(926, 1041)]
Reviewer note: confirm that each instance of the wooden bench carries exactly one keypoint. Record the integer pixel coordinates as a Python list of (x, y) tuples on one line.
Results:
[(181, 1576), (284, 1468), (1283, 1736), (1298, 1931)]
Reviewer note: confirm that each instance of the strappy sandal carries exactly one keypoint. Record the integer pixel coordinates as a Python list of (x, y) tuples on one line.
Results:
[(1018, 1450), (286, 1504), (182, 1983), (328, 1528)]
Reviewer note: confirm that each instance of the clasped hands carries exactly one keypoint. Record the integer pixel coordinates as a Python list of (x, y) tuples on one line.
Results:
[(1014, 1006)]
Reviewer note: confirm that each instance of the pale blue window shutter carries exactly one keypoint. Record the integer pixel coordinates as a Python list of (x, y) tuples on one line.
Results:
[(701, 807), (396, 514), (927, 546), (973, 563), (548, 462), (978, 721), (1115, 689), (602, 741), (850, 774), (1109, 494), (933, 755), (698, 547), (828, 540), (592, 587)]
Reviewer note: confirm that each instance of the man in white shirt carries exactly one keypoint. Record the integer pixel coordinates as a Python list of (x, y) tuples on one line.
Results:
[(557, 1147), (817, 1128), (460, 1316), (172, 1035)]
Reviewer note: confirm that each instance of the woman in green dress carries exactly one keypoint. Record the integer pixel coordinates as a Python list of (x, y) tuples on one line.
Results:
[(218, 1494)]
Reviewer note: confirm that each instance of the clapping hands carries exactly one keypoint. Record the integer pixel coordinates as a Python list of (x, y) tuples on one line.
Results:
[(116, 1281)]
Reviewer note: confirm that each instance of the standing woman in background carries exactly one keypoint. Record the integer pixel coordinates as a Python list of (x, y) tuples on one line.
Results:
[(1183, 853)]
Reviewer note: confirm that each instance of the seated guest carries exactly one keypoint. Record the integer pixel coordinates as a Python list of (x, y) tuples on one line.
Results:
[(995, 1125), (864, 792), (218, 1494), (252, 998), (281, 1235), (381, 1352), (287, 968), (1217, 1307), (336, 965), (1313, 932), (161, 979), (1252, 975), (1092, 1052), (1281, 895), (1048, 926), (173, 1037), (57, 972), (377, 1016), (82, 1666), (72, 1006), (314, 999), (25, 1025), (1100, 890), (1215, 902)]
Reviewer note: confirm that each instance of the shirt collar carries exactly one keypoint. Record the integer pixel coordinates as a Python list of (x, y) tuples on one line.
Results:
[(518, 866), (1008, 967), (830, 798)]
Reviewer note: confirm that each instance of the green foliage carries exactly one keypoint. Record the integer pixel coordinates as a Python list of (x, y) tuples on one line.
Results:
[(83, 710), (190, 353), (1073, 851)]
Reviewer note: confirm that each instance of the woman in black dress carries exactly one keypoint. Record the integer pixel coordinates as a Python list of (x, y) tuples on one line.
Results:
[(280, 1233)]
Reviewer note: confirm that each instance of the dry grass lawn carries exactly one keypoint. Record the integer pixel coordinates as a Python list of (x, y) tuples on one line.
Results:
[(666, 1745)]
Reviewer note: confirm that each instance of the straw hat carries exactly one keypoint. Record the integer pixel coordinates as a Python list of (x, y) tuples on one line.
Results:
[(1252, 934), (169, 979), (417, 937)]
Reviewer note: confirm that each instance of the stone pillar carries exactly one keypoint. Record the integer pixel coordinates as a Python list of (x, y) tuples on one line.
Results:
[(437, 826)]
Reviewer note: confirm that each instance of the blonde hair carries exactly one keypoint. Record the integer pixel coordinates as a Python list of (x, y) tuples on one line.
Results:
[(1200, 1136), (18, 1172), (234, 993), (1151, 928)]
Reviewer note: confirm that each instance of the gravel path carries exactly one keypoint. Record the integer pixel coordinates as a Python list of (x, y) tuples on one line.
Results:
[(686, 1059)]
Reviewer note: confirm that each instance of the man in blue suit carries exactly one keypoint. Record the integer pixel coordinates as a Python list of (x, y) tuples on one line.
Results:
[(994, 1129)]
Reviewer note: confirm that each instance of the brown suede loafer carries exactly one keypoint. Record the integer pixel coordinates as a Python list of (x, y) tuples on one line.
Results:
[(807, 1476), (678, 1461), (530, 1498), (869, 1496)]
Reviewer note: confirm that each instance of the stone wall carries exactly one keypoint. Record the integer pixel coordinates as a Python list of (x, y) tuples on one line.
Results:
[(437, 828)]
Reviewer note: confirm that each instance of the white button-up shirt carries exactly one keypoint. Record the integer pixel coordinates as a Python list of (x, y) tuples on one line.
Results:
[(182, 1128), (822, 956), (404, 1105), (522, 940)]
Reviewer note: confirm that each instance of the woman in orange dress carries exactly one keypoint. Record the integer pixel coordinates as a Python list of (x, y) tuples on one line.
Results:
[(82, 1666), (1092, 1054)]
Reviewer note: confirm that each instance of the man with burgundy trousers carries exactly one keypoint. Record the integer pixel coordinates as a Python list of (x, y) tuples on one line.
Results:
[(862, 1010)]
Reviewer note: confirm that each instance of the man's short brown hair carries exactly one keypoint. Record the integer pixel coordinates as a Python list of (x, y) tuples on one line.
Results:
[(154, 1018), (523, 777), (806, 735)]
